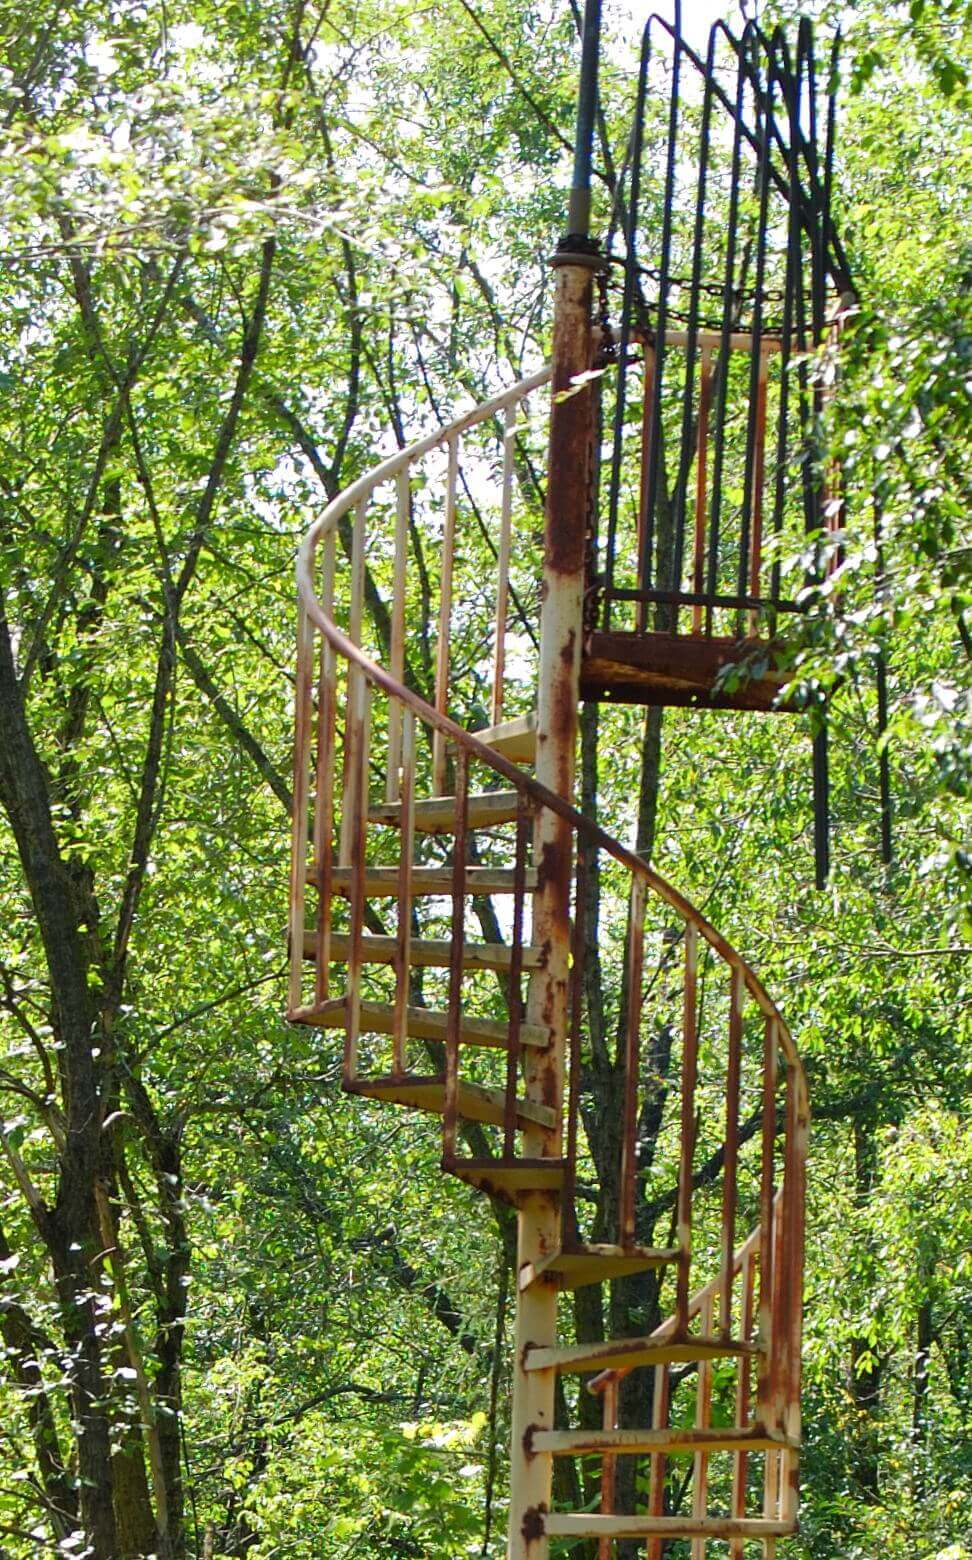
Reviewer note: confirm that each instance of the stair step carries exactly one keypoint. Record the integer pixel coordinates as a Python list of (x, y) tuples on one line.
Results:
[(509, 1182), (427, 951), (475, 1102), (629, 1352), (728, 1438), (382, 882), (597, 1525), (426, 1024), (593, 1264), (437, 814), (516, 739)]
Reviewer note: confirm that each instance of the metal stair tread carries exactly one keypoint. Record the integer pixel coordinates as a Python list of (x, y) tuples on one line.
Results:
[(437, 814), (672, 1441), (509, 1182), (383, 882), (620, 1352), (424, 1023), (515, 739), (598, 1525), (476, 1102), (593, 1264), (426, 951)]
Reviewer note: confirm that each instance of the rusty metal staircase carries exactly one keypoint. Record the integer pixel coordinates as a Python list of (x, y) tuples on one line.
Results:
[(402, 820), (438, 905)]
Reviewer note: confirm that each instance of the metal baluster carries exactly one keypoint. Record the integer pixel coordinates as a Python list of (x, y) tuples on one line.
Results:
[(755, 429), (797, 1126), (701, 473), (609, 1411), (397, 656), (631, 284), (690, 1057), (661, 1399), (740, 1466), (759, 470), (647, 425), (445, 619), (516, 972), (691, 342), (352, 754), (731, 1160), (403, 939), (324, 783), (570, 1230), (629, 1121), (718, 458), (360, 717), (703, 1415), (661, 327), (298, 846), (767, 1213), (503, 566), (456, 953)]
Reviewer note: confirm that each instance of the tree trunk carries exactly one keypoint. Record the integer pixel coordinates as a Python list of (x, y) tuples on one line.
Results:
[(866, 1366), (920, 1383)]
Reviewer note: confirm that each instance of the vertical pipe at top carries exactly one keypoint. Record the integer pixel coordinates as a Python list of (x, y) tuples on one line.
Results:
[(579, 210)]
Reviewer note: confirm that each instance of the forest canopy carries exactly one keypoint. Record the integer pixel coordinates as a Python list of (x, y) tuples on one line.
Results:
[(249, 249)]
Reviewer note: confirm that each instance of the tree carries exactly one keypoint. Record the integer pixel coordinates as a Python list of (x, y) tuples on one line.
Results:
[(246, 248)]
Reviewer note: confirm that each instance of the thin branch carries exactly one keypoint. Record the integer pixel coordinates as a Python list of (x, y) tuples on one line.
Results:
[(232, 721)]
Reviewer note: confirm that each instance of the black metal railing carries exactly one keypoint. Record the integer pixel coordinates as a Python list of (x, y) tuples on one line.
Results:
[(732, 275)]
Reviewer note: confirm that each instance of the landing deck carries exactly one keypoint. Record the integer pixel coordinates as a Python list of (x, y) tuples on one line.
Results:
[(680, 669)]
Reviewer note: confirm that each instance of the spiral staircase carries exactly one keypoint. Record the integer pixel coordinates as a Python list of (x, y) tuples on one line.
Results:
[(466, 927), (405, 822)]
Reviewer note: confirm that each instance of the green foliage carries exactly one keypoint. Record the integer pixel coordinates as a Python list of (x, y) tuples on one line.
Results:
[(390, 190)]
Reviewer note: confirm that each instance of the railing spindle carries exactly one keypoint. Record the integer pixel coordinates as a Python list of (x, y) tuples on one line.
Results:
[(323, 848), (403, 940), (352, 755), (397, 647), (701, 476), (503, 566), (794, 1198), (756, 501), (609, 1411), (774, 1417), (516, 972), (731, 1161), (690, 1060), (360, 715), (703, 1416), (647, 424), (456, 952), (740, 1465), (570, 1233), (772, 1470), (660, 1402), (445, 619), (767, 1213), (629, 1120), (298, 857)]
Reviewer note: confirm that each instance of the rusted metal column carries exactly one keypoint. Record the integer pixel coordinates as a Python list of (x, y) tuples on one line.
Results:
[(561, 624), (560, 629), (569, 468)]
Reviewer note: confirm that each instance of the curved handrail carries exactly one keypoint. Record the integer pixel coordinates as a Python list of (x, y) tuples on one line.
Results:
[(525, 785), (758, 1285)]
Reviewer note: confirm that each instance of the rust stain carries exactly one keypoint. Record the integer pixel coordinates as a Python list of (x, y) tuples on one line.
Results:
[(532, 1526), (553, 862), (549, 1086)]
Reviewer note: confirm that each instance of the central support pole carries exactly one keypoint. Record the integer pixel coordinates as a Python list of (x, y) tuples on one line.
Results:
[(569, 468)]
